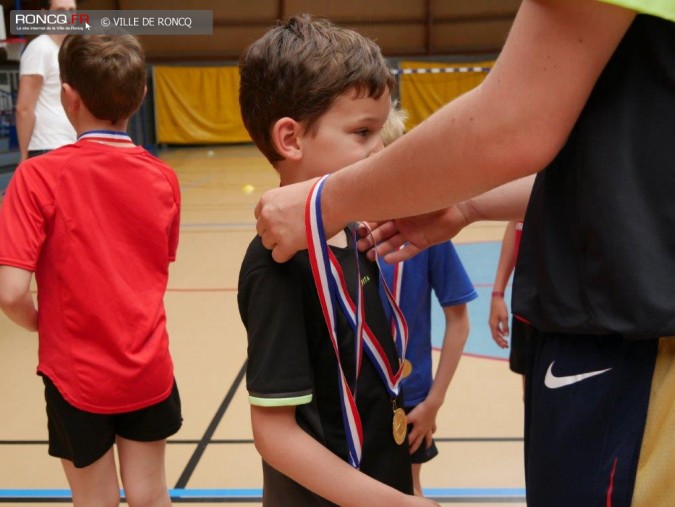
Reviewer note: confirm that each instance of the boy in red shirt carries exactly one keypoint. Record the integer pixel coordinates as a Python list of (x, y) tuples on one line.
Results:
[(97, 222)]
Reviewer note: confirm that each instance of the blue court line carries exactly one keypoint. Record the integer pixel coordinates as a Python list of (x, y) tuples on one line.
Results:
[(34, 493), (515, 494), (255, 493), (480, 493)]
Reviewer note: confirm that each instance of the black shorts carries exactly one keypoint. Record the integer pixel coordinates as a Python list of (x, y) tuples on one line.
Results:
[(423, 453), (84, 437)]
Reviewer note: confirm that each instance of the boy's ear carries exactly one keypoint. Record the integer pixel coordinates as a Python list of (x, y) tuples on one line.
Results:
[(286, 138), (70, 99)]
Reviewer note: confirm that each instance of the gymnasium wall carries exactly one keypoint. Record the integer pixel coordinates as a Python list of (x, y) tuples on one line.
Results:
[(196, 103), (401, 27), (199, 105), (194, 85)]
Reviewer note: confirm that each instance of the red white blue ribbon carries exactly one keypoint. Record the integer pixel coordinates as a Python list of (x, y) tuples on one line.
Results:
[(108, 136), (326, 287), (372, 346), (399, 326), (331, 286)]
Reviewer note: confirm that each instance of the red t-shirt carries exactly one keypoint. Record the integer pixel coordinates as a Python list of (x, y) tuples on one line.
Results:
[(98, 225)]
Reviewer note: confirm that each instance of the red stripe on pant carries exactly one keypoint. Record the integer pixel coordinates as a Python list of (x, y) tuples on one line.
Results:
[(610, 489)]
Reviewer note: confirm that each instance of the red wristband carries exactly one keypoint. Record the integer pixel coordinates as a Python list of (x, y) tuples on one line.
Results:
[(497, 294)]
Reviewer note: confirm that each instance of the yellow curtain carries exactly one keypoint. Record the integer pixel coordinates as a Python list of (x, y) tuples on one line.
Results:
[(198, 105), (422, 94)]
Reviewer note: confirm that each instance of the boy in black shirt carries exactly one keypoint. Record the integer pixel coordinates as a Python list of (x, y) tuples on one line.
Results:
[(314, 98)]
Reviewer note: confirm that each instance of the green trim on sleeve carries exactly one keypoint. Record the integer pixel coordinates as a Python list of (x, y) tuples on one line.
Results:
[(280, 402), (662, 8)]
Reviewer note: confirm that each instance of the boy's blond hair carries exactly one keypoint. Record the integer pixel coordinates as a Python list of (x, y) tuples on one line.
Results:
[(299, 68), (395, 124)]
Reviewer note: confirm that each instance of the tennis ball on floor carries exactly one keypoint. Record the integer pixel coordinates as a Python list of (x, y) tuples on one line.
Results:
[(248, 188)]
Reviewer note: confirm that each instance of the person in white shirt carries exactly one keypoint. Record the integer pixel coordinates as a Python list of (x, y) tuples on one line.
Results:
[(41, 122)]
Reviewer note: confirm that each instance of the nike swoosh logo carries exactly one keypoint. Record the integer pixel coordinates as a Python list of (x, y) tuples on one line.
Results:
[(553, 382)]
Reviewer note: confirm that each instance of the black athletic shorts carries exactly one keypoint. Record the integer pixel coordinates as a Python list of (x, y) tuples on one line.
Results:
[(84, 437)]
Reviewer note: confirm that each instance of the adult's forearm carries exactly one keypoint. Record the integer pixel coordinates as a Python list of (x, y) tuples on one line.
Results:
[(511, 126), (421, 172), (506, 202)]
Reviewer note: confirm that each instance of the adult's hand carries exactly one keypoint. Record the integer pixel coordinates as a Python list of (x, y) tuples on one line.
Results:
[(401, 239), (281, 219)]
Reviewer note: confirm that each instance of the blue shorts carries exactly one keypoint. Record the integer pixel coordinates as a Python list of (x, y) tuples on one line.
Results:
[(83, 437), (586, 404)]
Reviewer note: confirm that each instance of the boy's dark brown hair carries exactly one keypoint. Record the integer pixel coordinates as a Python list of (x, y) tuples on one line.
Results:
[(108, 71), (299, 68)]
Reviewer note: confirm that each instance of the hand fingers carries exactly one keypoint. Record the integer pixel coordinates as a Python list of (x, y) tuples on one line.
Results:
[(504, 332), (382, 249), (428, 439), (494, 331), (498, 338), (382, 234), (261, 224), (365, 244), (415, 442), (364, 228), (280, 254), (402, 254), (383, 230)]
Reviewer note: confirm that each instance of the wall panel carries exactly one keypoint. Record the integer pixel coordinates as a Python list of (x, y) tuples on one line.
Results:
[(474, 8), (401, 27), (472, 37), (358, 10)]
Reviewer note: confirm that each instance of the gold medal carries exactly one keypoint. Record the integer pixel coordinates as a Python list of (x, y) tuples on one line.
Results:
[(407, 368), (399, 425)]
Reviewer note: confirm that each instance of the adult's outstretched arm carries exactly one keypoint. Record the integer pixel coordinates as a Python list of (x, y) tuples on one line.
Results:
[(403, 238), (510, 126)]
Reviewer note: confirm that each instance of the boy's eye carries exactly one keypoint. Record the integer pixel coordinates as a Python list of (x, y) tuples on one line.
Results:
[(363, 132)]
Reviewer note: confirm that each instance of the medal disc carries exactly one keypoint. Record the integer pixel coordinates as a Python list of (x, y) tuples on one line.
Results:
[(407, 368), (399, 426)]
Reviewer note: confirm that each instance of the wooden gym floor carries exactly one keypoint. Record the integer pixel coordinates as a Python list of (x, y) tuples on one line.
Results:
[(212, 459)]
